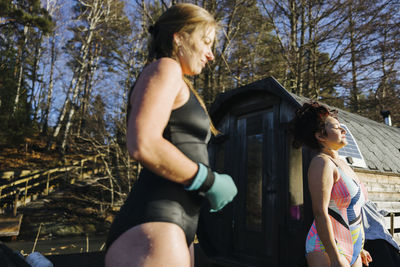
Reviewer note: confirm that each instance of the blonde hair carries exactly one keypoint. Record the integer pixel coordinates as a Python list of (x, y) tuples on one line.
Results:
[(180, 18)]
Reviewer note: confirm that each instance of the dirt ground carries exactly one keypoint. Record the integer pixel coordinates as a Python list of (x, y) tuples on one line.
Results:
[(64, 222), (72, 221)]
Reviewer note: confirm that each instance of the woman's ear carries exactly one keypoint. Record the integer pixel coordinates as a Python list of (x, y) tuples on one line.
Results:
[(319, 136), (177, 39)]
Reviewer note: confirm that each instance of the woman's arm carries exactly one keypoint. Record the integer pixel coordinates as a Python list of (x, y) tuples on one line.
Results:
[(321, 176), (159, 89)]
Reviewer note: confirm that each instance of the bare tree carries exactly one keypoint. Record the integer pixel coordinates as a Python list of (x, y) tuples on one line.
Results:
[(98, 15), (302, 29), (53, 7), (21, 67)]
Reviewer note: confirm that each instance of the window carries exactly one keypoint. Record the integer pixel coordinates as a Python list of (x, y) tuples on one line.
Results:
[(351, 153), (254, 182), (254, 138)]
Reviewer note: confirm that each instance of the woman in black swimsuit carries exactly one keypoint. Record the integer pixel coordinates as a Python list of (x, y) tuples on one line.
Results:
[(167, 132)]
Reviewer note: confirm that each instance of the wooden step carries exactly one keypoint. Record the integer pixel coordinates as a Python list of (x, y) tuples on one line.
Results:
[(9, 225), (390, 206)]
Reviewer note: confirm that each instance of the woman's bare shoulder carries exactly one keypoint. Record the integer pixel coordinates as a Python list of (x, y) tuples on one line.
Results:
[(321, 163), (320, 159), (165, 64), (164, 73)]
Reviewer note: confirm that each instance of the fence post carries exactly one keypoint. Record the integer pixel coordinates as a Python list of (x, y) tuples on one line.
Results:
[(47, 183), (15, 202), (392, 223), (81, 176), (26, 191)]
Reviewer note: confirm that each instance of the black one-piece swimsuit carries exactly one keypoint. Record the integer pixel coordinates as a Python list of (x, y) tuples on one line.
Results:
[(156, 199)]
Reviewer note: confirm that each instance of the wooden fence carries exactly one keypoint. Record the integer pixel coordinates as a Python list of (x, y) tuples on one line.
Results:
[(17, 183), (384, 190), (392, 219)]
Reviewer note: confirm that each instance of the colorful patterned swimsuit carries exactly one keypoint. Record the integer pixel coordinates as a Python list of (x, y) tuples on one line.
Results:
[(344, 210)]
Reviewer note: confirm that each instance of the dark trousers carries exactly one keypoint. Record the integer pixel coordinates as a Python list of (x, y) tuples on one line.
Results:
[(383, 254)]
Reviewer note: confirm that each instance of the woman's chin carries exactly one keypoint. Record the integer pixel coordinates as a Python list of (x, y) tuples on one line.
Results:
[(197, 71), (194, 72), (343, 145)]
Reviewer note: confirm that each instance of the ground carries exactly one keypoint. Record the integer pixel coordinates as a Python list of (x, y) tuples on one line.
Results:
[(71, 218), (33, 154), (62, 222)]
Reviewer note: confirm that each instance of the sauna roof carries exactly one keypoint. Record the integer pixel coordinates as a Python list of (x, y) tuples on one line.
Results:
[(379, 143)]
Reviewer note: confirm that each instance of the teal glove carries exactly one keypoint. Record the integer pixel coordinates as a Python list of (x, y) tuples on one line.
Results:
[(219, 189), (222, 191)]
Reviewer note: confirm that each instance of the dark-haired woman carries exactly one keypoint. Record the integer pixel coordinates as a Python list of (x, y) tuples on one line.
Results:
[(336, 236), (167, 132)]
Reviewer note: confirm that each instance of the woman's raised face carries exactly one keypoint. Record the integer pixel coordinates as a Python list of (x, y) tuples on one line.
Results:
[(195, 50), (335, 135)]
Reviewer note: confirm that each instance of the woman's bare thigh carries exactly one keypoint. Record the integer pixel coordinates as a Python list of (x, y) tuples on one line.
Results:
[(357, 263), (318, 259), (321, 259), (150, 244)]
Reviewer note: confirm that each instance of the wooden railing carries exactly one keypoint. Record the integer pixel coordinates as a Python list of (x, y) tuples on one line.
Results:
[(393, 221), (33, 179)]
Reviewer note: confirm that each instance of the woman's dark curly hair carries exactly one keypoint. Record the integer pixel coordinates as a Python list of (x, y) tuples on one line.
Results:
[(310, 119)]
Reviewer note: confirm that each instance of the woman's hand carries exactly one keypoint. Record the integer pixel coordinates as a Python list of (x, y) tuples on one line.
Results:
[(218, 188), (365, 257)]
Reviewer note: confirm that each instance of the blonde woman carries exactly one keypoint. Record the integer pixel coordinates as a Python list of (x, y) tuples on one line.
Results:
[(167, 132)]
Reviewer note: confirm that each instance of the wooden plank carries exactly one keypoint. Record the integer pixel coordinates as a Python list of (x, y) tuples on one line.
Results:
[(9, 175), (10, 225), (396, 222), (43, 177), (28, 174), (11, 193), (382, 196), (64, 169), (385, 188), (390, 206), (29, 186)]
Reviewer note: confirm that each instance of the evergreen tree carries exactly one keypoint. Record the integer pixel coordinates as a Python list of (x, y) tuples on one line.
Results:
[(21, 22), (25, 13)]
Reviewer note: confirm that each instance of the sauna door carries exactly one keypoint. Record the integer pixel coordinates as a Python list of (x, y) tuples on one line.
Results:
[(255, 222)]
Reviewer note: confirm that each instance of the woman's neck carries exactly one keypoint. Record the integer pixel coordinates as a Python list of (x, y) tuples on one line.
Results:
[(330, 152)]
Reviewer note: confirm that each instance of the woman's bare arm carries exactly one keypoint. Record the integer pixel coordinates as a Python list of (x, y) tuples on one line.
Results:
[(159, 89)]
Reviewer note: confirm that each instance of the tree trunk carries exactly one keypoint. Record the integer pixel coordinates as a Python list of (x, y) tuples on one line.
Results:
[(21, 69), (51, 86), (92, 67), (354, 94), (37, 56), (77, 79), (96, 12), (300, 54), (293, 46)]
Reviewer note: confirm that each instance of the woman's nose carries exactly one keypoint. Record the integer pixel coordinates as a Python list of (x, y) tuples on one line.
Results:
[(210, 55)]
